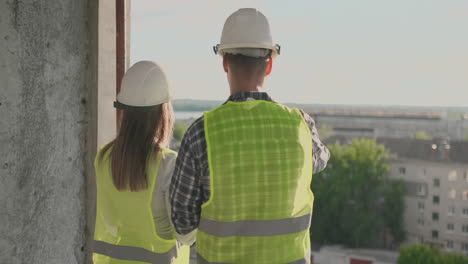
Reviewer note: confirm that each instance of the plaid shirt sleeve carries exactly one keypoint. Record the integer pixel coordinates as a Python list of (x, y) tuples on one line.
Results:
[(321, 154), (187, 190)]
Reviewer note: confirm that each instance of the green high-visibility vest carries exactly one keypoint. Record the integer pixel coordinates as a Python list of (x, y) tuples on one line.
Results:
[(260, 161), (125, 230)]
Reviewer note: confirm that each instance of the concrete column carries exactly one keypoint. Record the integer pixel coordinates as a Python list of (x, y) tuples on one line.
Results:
[(47, 128), (128, 26), (106, 73), (103, 126)]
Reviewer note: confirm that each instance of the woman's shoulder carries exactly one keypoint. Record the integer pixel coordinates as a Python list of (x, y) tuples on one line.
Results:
[(164, 158)]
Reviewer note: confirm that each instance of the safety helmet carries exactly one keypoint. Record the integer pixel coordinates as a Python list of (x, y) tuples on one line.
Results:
[(247, 32), (144, 87)]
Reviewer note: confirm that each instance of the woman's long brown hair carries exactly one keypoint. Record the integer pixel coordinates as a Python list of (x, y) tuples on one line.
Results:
[(141, 135)]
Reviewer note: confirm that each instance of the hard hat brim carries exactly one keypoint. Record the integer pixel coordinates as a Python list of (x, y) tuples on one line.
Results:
[(150, 108), (275, 49)]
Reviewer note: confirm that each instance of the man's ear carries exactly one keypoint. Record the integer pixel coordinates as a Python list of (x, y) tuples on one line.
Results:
[(225, 64), (269, 67)]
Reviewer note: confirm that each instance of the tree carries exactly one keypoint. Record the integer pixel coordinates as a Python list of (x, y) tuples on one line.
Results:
[(418, 254), (393, 210), (453, 259), (422, 135), (423, 254), (180, 127), (352, 194)]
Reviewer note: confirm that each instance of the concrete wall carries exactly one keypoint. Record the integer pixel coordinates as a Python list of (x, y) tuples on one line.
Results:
[(44, 129)]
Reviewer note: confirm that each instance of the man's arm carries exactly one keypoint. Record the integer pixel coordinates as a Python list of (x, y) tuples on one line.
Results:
[(185, 189), (321, 154)]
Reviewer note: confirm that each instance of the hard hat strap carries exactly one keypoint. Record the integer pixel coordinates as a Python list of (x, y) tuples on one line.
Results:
[(278, 49)]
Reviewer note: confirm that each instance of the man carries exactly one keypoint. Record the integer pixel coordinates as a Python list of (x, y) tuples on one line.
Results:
[(244, 170)]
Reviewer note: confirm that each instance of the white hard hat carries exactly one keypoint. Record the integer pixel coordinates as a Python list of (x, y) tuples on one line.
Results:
[(247, 32), (144, 87)]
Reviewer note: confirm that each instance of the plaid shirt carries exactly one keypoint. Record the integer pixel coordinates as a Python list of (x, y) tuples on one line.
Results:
[(190, 185)]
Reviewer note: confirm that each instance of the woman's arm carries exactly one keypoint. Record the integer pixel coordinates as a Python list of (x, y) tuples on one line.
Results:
[(161, 203)]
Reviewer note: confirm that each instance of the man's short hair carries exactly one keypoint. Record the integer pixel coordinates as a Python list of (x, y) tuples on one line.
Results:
[(247, 65)]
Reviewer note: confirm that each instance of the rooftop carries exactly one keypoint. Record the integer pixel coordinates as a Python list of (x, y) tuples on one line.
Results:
[(427, 150), (384, 256), (383, 113)]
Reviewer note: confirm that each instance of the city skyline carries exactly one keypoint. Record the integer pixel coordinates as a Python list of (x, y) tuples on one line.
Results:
[(335, 52)]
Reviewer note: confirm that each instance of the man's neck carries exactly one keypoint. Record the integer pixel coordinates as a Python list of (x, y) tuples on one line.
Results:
[(252, 88)]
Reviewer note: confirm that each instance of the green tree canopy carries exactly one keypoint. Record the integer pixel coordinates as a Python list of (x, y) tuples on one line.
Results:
[(423, 254), (353, 196), (453, 259), (422, 135), (180, 127), (393, 209), (418, 254)]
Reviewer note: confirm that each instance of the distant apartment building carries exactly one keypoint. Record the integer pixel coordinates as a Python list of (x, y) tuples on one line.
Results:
[(436, 174), (383, 123)]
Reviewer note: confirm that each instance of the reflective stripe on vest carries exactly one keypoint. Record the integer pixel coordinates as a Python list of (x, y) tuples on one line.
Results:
[(305, 260), (255, 227), (133, 253)]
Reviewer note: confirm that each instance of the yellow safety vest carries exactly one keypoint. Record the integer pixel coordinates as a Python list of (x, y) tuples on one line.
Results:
[(260, 207), (125, 230)]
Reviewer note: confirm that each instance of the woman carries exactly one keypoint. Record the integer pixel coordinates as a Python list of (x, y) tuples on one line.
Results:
[(133, 173)]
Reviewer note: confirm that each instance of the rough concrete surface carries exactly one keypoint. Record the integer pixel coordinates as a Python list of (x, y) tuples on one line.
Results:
[(43, 130)]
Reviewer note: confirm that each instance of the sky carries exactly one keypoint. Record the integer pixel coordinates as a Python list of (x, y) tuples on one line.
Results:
[(372, 52)]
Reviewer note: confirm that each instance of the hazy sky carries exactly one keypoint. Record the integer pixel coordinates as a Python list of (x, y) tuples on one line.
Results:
[(390, 52)]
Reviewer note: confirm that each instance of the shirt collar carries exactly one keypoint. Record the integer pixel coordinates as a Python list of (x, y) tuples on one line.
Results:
[(243, 96)]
